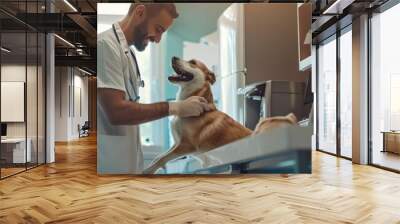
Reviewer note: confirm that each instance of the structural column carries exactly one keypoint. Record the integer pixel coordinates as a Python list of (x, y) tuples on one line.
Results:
[(50, 92), (360, 90)]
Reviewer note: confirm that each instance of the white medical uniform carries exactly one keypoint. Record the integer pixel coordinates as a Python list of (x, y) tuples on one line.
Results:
[(118, 146)]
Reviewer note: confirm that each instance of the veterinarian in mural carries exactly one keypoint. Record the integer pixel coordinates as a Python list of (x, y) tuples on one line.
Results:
[(119, 112)]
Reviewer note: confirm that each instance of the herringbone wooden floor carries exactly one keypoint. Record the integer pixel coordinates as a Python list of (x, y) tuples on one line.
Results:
[(69, 191)]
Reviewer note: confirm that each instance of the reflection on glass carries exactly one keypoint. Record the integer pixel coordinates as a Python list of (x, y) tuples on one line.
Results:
[(394, 101), (231, 63), (14, 151), (22, 90), (41, 99), (385, 86), (327, 97), (346, 94), (31, 99)]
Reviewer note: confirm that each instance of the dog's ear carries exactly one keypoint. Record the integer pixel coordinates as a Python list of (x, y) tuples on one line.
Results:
[(211, 77)]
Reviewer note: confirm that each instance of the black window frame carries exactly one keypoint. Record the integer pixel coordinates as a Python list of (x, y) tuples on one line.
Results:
[(333, 37), (30, 29), (380, 9)]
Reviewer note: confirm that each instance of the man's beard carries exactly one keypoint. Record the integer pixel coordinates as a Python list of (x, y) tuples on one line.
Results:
[(140, 35)]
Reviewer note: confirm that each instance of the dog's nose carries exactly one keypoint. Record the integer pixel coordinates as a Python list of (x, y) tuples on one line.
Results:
[(174, 58)]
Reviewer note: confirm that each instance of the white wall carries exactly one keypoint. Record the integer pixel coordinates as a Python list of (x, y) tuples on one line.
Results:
[(69, 82), (80, 84), (11, 73), (16, 73), (207, 53), (61, 103), (33, 126), (109, 13)]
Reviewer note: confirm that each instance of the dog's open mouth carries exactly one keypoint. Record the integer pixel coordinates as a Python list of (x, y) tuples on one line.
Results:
[(181, 75)]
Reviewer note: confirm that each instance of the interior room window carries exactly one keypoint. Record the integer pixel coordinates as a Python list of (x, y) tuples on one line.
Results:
[(15, 146), (22, 92), (346, 94), (385, 88), (326, 76)]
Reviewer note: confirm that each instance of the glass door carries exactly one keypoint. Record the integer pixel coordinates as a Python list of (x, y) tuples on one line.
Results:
[(22, 88), (326, 96), (385, 89), (334, 94), (14, 153), (345, 93)]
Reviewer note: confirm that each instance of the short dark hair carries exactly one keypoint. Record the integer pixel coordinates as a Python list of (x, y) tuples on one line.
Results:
[(156, 7)]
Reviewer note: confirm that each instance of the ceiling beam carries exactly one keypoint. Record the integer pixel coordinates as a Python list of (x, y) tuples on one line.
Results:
[(86, 27), (81, 61)]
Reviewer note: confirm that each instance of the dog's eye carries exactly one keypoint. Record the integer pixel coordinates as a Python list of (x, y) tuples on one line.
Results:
[(192, 62)]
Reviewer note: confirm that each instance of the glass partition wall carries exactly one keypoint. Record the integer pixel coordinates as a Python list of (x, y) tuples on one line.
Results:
[(327, 78), (345, 92), (22, 78), (385, 89), (334, 94)]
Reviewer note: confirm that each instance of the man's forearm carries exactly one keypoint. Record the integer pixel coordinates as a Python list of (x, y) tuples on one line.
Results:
[(120, 111), (131, 113)]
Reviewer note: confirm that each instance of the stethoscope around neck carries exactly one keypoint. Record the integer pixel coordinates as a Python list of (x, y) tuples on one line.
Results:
[(134, 58)]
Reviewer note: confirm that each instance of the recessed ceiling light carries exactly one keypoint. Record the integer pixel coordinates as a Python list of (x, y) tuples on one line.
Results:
[(64, 40), (5, 50), (70, 5), (338, 6), (84, 71)]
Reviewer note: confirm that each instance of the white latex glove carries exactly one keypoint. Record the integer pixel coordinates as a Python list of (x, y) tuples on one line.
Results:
[(190, 107)]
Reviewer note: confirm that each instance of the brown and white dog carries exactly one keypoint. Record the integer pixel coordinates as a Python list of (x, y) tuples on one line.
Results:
[(196, 135)]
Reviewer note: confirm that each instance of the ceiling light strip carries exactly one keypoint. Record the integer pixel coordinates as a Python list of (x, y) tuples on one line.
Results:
[(5, 50), (64, 40), (70, 5), (337, 7), (84, 71)]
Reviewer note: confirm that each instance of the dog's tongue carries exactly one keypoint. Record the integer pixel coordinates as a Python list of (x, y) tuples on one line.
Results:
[(174, 77), (182, 78)]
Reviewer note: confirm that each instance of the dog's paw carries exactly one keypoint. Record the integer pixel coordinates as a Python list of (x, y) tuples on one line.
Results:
[(148, 171), (153, 170)]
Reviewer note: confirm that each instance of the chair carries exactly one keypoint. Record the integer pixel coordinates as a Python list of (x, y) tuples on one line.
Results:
[(84, 130)]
